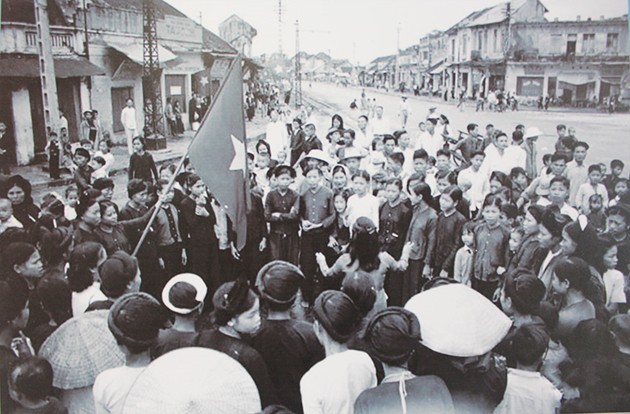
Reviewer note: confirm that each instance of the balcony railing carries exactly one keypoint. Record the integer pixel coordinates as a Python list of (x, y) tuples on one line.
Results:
[(22, 38)]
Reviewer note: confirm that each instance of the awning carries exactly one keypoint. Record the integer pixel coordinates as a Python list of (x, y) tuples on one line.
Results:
[(613, 80), (134, 50), (438, 68), (27, 66), (577, 78)]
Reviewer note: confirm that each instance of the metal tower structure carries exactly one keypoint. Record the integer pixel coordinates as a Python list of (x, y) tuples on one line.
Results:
[(153, 118), (46, 68), (297, 87)]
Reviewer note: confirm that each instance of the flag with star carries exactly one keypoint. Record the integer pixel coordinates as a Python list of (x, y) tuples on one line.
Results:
[(219, 151)]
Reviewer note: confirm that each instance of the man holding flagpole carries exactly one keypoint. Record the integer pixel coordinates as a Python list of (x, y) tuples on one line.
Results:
[(219, 154)]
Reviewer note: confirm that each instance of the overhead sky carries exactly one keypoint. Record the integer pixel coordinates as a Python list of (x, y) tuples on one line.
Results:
[(360, 30)]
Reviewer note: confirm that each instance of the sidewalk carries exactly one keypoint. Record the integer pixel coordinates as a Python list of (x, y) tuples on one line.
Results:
[(175, 148)]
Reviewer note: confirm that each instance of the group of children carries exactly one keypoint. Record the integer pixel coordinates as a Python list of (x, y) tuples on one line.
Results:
[(379, 216)]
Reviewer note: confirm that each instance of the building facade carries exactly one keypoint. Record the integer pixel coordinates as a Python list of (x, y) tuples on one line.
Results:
[(512, 47), (238, 33), (192, 59)]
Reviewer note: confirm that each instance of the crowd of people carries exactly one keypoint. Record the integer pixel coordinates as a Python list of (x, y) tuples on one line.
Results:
[(385, 270)]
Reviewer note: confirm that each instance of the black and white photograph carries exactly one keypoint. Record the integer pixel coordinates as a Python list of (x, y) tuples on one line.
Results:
[(314, 207)]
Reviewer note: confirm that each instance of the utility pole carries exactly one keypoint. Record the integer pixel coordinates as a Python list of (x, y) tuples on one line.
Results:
[(87, 49), (298, 67), (507, 41), (152, 90), (46, 68), (280, 27)]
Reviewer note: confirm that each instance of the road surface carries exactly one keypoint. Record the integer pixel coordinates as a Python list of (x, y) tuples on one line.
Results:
[(607, 134)]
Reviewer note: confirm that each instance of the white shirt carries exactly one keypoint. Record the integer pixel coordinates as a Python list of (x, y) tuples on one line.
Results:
[(614, 284), (81, 300), (111, 388), (128, 117), (381, 126), (333, 384), (366, 206), (529, 392), (478, 188), (11, 222), (109, 159), (364, 139), (512, 157), (277, 137), (569, 211), (430, 143)]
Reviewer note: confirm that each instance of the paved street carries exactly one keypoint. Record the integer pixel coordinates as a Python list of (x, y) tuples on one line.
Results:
[(607, 135)]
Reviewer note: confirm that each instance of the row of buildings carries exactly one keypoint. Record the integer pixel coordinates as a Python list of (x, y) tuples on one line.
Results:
[(514, 48), (101, 67)]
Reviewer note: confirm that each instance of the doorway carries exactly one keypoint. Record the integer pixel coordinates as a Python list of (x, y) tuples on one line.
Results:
[(119, 100)]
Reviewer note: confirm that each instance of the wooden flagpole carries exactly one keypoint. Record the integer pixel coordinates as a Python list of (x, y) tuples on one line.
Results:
[(158, 205)]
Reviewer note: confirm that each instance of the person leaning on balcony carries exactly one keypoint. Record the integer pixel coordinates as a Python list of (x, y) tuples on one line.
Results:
[(128, 120)]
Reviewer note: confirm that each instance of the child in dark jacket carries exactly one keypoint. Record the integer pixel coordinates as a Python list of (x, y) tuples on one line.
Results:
[(141, 164), (448, 232)]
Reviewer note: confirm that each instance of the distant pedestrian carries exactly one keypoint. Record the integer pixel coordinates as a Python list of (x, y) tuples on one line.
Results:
[(128, 120)]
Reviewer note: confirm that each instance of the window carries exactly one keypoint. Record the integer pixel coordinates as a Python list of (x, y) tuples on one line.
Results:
[(571, 42), (453, 49), (425, 55), (465, 46), (480, 42), (588, 43), (495, 40), (612, 42)]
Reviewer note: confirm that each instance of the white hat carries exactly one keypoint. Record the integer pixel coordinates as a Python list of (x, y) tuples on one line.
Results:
[(318, 154), (458, 321), (191, 279), (352, 152), (532, 132)]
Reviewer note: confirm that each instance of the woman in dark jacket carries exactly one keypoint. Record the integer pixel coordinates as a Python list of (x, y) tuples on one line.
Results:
[(18, 190), (197, 221)]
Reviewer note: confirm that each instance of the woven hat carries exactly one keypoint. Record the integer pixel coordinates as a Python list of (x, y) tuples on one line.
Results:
[(279, 281), (318, 154), (352, 152), (80, 349), (458, 321), (184, 293), (193, 381), (532, 132)]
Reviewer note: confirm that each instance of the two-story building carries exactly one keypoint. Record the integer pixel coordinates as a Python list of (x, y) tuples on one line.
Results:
[(192, 59), (580, 62), (238, 33), (479, 45)]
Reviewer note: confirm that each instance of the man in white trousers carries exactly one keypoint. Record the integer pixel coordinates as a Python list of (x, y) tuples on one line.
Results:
[(128, 119)]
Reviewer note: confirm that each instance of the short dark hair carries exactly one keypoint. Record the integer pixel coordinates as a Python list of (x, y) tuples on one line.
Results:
[(141, 140), (33, 377), (557, 156), (560, 126), (100, 160), (420, 154), (443, 152), (616, 163), (136, 186), (454, 192), (475, 153), (594, 167), (397, 157), (309, 169), (389, 137), (529, 344), (471, 127), (561, 179), (581, 144)]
